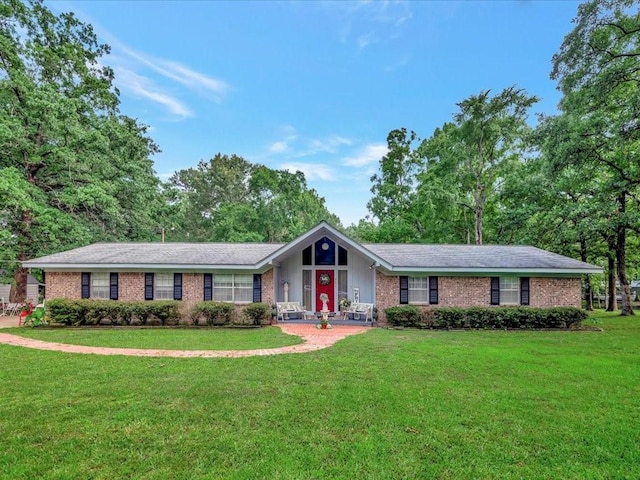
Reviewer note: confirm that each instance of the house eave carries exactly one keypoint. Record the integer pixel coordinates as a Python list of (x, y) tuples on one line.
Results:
[(127, 267), (443, 271)]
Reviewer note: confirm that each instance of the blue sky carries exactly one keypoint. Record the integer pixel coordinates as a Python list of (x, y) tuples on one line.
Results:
[(316, 86)]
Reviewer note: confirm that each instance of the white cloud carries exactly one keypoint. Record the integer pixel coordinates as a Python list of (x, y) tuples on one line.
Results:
[(330, 144), (311, 170), (278, 147), (364, 40), (180, 73), (369, 22), (367, 155), (145, 88)]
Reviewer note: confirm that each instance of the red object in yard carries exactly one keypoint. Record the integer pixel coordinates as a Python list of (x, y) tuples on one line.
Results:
[(24, 313)]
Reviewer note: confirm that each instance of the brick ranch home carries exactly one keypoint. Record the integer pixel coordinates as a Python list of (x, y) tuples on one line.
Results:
[(322, 260)]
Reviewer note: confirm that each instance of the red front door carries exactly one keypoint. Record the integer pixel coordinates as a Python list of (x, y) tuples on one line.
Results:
[(324, 284)]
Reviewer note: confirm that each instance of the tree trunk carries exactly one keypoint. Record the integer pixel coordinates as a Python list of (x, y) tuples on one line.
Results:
[(587, 280), (621, 245), (18, 293), (612, 304)]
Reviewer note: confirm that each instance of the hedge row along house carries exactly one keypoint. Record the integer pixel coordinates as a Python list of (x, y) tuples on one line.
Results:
[(321, 261)]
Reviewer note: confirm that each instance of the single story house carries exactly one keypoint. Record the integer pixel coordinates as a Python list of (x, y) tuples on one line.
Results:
[(322, 261)]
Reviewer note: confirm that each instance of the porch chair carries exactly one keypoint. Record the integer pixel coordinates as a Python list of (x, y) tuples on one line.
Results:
[(289, 311), (360, 311)]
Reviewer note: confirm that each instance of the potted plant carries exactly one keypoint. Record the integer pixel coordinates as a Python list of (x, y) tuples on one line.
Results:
[(344, 303)]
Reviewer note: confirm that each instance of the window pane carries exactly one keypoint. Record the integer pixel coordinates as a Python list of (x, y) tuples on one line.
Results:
[(306, 289), (243, 288), (100, 285), (343, 291), (223, 287), (163, 286), (418, 290), (509, 291)]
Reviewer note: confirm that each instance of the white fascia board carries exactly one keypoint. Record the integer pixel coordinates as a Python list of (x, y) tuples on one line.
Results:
[(497, 271), (62, 267)]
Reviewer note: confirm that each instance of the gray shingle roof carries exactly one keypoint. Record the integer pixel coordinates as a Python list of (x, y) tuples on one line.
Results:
[(472, 257), (204, 254), (393, 257)]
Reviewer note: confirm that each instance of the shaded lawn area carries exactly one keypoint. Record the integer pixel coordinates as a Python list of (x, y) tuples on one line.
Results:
[(164, 338), (387, 404)]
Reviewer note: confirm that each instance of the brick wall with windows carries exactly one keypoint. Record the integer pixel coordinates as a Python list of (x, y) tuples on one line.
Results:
[(475, 292)]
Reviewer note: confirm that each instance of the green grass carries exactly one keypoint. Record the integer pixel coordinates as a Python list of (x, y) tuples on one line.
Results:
[(388, 404), (161, 338)]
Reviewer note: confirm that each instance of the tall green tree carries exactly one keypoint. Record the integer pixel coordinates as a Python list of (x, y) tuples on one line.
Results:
[(394, 189), (231, 199), (475, 150), (83, 169), (598, 70)]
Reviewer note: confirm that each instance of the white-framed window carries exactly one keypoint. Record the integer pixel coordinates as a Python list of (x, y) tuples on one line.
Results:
[(418, 290), (163, 286), (509, 291), (100, 285), (233, 287)]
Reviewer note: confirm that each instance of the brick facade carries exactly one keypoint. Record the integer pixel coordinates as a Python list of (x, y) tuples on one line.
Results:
[(267, 287), (475, 292), (452, 291), (62, 285), (131, 286)]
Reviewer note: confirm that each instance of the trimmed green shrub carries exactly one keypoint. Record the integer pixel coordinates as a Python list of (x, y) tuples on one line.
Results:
[(109, 312), (403, 316), (258, 313), (213, 313), (508, 317)]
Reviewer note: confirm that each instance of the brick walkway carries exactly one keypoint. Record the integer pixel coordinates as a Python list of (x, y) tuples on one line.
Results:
[(314, 339)]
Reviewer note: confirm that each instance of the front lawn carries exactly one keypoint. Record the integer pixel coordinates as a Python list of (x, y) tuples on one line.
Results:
[(387, 404), (164, 338)]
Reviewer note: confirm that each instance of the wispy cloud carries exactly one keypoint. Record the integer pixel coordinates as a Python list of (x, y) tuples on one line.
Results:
[(369, 22), (182, 74), (135, 73), (145, 88), (311, 171), (367, 155), (278, 147), (289, 135), (330, 144), (364, 40)]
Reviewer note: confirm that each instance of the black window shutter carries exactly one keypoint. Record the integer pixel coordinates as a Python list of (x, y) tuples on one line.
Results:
[(495, 290), (524, 291), (177, 286), (148, 286), (208, 287), (404, 290), (85, 285), (113, 285), (257, 287), (433, 290)]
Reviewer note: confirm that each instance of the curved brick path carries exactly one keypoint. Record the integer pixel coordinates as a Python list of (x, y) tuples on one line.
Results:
[(314, 339)]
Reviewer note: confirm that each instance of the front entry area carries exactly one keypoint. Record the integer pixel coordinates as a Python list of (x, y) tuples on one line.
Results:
[(325, 286)]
